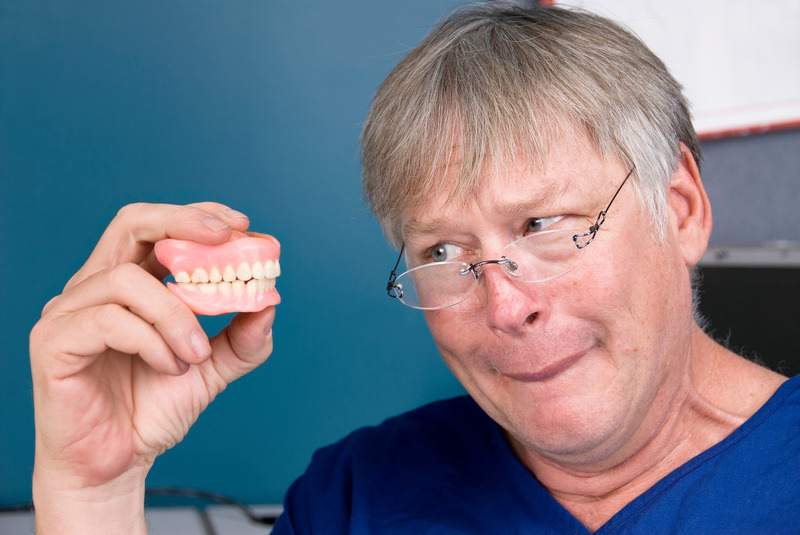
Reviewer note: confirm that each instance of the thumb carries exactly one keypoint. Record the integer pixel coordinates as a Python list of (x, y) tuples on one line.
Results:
[(244, 344)]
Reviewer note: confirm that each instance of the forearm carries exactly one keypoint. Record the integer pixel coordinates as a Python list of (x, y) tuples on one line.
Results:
[(116, 507)]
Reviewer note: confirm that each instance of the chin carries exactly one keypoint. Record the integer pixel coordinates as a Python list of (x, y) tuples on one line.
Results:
[(573, 414)]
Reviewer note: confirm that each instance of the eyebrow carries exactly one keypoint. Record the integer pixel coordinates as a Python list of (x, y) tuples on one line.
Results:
[(554, 190)]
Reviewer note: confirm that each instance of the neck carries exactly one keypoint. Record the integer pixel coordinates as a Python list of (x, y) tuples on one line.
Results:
[(718, 392)]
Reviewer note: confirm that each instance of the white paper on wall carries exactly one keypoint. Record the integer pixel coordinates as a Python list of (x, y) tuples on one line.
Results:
[(739, 60)]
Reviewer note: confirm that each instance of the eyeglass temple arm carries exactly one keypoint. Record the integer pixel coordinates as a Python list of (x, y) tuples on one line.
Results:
[(601, 217), (393, 275)]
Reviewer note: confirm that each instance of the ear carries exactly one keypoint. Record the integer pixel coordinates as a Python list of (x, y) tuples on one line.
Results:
[(690, 211)]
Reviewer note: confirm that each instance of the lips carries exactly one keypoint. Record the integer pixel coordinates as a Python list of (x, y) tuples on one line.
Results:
[(547, 372), (236, 276)]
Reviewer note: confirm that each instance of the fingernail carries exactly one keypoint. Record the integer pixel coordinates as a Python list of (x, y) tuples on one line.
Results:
[(214, 224), (234, 214), (181, 364), (199, 343)]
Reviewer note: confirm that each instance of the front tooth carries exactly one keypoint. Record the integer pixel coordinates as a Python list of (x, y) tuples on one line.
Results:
[(200, 275), (258, 270), (238, 287), (229, 274), (252, 287), (182, 276), (244, 272), (271, 269), (214, 275)]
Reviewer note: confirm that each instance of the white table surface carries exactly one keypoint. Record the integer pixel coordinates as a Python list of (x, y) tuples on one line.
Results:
[(219, 520)]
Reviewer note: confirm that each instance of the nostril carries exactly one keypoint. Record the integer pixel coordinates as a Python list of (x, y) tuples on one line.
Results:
[(530, 318)]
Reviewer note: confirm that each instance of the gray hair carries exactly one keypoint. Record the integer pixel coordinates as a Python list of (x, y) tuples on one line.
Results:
[(494, 82)]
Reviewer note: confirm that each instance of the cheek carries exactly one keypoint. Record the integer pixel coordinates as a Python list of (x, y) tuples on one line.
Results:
[(645, 305), (448, 325), (458, 332)]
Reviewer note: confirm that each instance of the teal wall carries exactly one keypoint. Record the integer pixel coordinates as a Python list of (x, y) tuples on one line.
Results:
[(253, 103), (257, 104)]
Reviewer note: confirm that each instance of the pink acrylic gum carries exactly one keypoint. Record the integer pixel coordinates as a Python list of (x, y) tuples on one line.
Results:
[(235, 276)]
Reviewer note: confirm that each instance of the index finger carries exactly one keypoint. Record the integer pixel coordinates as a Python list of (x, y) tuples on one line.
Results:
[(131, 234)]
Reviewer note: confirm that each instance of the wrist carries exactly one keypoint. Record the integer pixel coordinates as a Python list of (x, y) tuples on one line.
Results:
[(61, 507)]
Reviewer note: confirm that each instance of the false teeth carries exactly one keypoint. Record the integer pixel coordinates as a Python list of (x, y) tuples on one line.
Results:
[(238, 275)]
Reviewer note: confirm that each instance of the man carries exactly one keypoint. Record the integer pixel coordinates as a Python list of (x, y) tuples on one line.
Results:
[(538, 170)]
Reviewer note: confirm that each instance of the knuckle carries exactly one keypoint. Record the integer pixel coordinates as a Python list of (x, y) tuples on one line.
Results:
[(129, 211), (51, 306), (44, 331), (125, 275), (208, 206), (185, 212), (38, 336), (106, 316), (176, 312)]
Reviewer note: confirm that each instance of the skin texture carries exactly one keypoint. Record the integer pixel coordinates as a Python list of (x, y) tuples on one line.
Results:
[(600, 378), (187, 256), (121, 370)]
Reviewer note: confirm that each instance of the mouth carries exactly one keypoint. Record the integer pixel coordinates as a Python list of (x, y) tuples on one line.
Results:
[(547, 372), (236, 276)]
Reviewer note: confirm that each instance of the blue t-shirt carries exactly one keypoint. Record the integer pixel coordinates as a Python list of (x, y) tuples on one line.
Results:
[(446, 468)]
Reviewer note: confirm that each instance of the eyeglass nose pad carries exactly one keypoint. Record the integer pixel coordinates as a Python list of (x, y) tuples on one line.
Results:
[(512, 266), (397, 290), (582, 240)]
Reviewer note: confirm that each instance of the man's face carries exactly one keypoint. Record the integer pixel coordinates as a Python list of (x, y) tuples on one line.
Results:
[(578, 368)]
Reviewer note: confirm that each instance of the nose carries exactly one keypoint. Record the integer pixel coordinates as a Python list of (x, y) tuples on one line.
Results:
[(511, 306)]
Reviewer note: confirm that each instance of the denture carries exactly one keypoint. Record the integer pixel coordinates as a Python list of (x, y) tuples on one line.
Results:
[(236, 276)]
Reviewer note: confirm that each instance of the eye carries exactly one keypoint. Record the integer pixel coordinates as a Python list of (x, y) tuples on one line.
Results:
[(442, 252), (536, 224)]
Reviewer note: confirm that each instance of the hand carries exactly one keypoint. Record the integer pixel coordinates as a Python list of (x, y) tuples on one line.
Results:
[(122, 369)]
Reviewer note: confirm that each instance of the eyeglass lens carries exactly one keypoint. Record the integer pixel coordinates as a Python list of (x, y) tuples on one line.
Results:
[(536, 258)]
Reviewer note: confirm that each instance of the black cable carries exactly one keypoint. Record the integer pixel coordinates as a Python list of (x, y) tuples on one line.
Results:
[(17, 508), (182, 492)]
